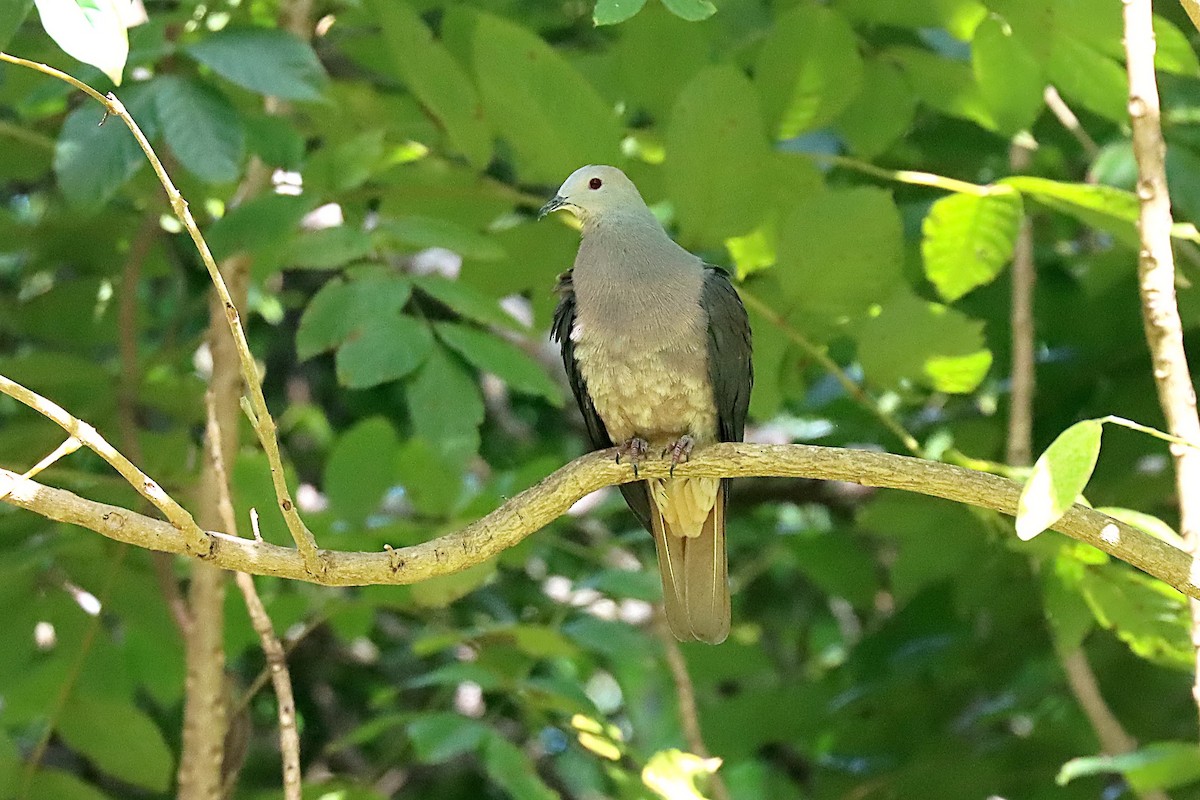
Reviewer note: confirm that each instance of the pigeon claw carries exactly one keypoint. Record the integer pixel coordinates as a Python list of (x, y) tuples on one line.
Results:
[(634, 449), (680, 451)]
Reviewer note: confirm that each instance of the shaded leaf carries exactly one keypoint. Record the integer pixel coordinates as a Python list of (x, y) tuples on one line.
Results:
[(327, 248), (859, 231), (440, 737), (466, 300), (119, 739), (691, 10), (717, 155), (92, 161), (968, 239), (1088, 77), (924, 343), (610, 12), (264, 60), (435, 78), (443, 590), (384, 349), (430, 232), (808, 70), (359, 470), (341, 306), (1058, 477), (445, 406), (491, 353), (201, 127), (509, 767), (881, 112), (1010, 78), (12, 14), (54, 784), (551, 117)]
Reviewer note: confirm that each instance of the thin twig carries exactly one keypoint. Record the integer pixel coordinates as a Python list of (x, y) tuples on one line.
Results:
[(66, 448), (196, 542), (1066, 117), (1023, 381), (264, 425), (819, 355), (1156, 278), (540, 505), (912, 177), (685, 692)]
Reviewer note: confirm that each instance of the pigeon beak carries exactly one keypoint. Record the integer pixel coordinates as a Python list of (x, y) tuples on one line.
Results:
[(556, 202)]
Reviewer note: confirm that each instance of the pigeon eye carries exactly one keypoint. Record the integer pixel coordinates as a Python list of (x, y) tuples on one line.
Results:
[(595, 183)]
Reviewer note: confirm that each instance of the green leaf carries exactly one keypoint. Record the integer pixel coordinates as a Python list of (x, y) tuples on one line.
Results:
[(1150, 617), (327, 248), (857, 229), (1070, 617), (359, 470), (968, 239), (691, 10), (201, 127), (91, 31), (264, 60), (943, 84), (384, 349), (551, 117), (673, 774), (342, 306), (12, 14), (262, 226), (513, 771), (466, 301), (490, 353), (1155, 766), (1112, 210), (53, 784), (1172, 51), (1009, 77), (432, 480), (1058, 478), (881, 112), (441, 736), (443, 590), (119, 739), (911, 340), (92, 161), (445, 406), (1087, 77), (424, 232), (716, 168), (808, 70), (610, 12), (275, 140), (435, 78)]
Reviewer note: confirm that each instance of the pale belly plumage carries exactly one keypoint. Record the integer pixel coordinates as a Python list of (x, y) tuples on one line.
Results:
[(657, 393)]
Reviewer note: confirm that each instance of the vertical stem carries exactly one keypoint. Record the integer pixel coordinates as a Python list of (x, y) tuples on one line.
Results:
[(1019, 450), (206, 716), (1156, 278)]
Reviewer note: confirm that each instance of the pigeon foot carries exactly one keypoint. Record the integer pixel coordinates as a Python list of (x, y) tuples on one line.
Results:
[(680, 451), (634, 449)]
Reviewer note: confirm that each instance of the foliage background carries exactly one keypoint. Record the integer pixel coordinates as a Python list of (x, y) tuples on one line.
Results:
[(885, 645)]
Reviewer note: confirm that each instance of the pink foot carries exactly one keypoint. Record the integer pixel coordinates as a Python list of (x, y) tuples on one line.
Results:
[(634, 449)]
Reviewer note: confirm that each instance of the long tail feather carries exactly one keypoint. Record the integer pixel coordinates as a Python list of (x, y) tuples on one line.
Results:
[(694, 574)]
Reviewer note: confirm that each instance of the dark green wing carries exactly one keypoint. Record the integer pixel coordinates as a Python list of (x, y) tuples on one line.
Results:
[(560, 331), (729, 365)]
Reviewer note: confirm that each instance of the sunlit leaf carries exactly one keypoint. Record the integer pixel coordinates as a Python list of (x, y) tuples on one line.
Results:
[(1009, 76), (968, 239), (92, 31), (691, 10), (1155, 766), (1058, 477), (674, 774)]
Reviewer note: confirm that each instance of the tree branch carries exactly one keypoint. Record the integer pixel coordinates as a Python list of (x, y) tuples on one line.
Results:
[(539, 505), (1156, 279)]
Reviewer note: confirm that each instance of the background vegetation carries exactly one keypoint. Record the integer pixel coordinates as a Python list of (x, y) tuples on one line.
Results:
[(367, 171)]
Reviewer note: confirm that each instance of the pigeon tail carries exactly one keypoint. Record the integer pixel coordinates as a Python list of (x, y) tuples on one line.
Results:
[(694, 569)]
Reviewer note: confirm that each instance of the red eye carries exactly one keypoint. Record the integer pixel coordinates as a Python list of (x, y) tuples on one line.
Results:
[(595, 183)]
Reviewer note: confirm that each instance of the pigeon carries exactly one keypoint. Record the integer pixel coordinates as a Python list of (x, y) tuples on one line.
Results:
[(656, 346)]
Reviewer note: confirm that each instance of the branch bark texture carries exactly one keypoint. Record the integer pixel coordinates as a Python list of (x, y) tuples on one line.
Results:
[(1156, 278), (539, 505)]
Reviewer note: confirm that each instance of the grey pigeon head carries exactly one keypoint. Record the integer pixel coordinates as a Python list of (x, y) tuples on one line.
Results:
[(596, 192)]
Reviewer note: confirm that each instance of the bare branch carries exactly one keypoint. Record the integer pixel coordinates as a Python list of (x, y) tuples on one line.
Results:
[(1156, 279), (194, 541), (539, 505)]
